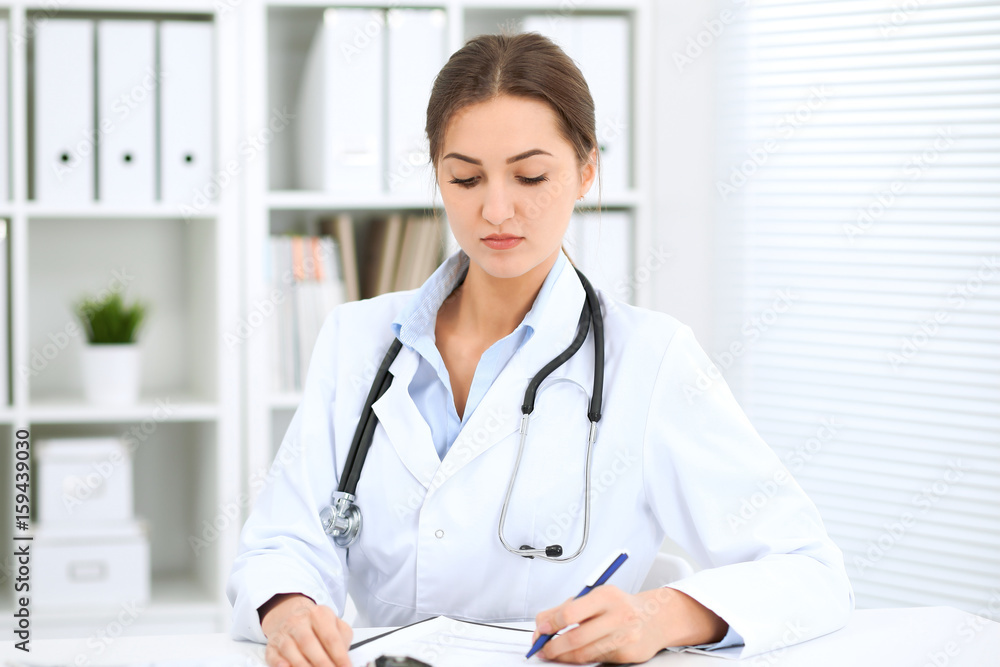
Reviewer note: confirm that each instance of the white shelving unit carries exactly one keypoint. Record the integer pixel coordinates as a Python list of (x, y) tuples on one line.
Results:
[(203, 276), (277, 33), (187, 425)]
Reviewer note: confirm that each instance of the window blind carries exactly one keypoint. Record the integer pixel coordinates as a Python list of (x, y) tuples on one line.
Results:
[(859, 294)]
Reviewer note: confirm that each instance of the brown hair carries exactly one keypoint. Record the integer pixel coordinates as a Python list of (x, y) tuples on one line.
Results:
[(523, 65)]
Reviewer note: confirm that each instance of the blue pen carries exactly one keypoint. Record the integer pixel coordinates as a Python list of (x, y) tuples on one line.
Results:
[(543, 640)]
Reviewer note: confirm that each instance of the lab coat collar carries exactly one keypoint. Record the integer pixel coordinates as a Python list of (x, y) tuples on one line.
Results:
[(499, 412)]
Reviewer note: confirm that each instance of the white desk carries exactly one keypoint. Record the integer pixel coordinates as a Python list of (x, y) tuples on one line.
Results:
[(922, 637)]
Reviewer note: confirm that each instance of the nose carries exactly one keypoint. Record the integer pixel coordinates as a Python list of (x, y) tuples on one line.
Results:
[(498, 207)]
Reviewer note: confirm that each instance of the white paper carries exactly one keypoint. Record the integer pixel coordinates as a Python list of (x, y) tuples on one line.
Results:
[(446, 642)]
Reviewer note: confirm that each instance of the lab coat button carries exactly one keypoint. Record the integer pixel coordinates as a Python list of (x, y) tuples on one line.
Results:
[(439, 534)]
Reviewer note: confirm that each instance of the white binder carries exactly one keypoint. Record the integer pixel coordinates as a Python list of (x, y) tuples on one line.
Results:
[(64, 134), (416, 54), (600, 46), (126, 112), (340, 104), (186, 113), (4, 127), (4, 306), (600, 245)]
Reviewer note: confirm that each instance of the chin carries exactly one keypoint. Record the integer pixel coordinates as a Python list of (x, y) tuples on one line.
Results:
[(510, 266)]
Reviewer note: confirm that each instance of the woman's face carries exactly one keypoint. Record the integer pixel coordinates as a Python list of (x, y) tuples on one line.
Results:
[(509, 181)]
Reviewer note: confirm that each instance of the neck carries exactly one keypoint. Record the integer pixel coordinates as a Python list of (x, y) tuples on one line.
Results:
[(490, 308)]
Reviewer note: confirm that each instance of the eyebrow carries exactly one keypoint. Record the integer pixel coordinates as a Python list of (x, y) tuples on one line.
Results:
[(510, 160)]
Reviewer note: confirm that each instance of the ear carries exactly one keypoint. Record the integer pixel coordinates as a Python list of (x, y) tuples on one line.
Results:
[(588, 173)]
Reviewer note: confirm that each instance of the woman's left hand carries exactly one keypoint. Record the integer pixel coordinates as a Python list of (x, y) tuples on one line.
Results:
[(615, 626)]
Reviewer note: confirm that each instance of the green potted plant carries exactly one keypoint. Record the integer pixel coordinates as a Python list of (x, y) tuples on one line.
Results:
[(111, 359)]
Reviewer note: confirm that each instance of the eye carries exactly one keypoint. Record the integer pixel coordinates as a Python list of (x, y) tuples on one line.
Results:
[(535, 180), (465, 182)]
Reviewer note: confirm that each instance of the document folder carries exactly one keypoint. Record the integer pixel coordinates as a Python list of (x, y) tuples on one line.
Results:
[(65, 140), (126, 112)]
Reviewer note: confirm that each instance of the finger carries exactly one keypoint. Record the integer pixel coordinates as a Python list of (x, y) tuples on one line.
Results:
[(594, 636), (288, 651), (346, 631), (273, 656), (328, 630), (551, 621), (310, 647), (578, 610)]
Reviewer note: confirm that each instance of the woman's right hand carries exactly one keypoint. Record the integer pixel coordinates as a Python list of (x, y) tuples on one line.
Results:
[(301, 633)]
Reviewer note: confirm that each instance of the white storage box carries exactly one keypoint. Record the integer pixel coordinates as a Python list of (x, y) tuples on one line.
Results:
[(83, 480), (78, 567)]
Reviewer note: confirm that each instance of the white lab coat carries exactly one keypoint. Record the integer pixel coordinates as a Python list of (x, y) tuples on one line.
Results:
[(672, 457)]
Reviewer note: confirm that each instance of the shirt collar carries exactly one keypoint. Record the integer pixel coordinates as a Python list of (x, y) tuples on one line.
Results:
[(419, 316)]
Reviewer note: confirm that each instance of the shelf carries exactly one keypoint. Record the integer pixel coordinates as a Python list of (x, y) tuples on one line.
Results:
[(74, 410), (307, 200), (286, 401), (556, 7), (95, 211), (148, 6), (175, 602), (377, 4), (7, 415)]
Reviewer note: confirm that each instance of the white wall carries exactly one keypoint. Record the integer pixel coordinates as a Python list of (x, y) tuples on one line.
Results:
[(683, 166)]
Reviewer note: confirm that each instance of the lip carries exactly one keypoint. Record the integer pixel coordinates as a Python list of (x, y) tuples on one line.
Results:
[(502, 241)]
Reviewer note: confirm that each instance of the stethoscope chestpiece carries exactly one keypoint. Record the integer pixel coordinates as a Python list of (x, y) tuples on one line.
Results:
[(342, 519)]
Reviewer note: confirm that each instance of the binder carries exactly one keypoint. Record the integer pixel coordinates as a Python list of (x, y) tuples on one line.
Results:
[(65, 140), (409, 255), (186, 113), (4, 127), (126, 112), (4, 309), (603, 45), (340, 104), (341, 228), (600, 245), (428, 252), (416, 54), (381, 255), (600, 46)]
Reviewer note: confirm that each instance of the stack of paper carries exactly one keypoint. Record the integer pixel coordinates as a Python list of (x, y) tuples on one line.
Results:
[(446, 642)]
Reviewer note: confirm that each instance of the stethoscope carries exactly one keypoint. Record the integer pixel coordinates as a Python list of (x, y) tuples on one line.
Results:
[(342, 519)]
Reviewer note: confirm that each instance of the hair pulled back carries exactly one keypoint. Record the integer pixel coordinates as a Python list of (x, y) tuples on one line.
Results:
[(525, 65)]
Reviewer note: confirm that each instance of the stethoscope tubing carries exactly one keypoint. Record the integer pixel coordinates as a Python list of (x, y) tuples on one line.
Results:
[(357, 454), (590, 315)]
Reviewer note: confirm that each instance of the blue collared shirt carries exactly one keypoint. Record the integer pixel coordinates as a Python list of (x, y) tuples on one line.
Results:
[(430, 387)]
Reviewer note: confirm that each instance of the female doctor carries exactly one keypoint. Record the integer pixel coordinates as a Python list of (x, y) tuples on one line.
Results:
[(510, 124)]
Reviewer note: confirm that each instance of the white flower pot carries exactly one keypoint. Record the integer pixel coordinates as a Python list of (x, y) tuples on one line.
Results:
[(111, 374)]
